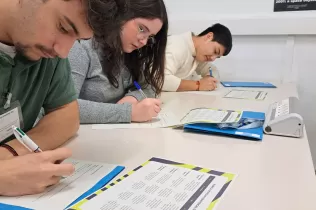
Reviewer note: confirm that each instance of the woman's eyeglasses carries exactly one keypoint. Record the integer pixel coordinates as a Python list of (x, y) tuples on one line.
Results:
[(144, 34)]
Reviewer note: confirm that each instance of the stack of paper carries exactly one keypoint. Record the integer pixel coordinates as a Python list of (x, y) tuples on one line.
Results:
[(247, 94), (168, 119), (161, 184)]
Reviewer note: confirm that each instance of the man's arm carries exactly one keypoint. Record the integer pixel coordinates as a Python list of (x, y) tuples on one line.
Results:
[(206, 84), (204, 71), (187, 85), (172, 64), (54, 129)]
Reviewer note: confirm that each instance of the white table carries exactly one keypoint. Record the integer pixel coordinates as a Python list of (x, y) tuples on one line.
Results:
[(275, 174)]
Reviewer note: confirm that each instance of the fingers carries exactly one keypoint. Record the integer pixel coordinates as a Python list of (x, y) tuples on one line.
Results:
[(58, 154), (151, 106), (212, 87), (64, 169), (213, 79), (209, 83), (54, 180), (157, 102), (212, 83), (157, 109), (155, 114), (151, 101)]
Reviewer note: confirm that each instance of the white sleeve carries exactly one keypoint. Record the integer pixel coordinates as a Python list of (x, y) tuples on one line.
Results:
[(171, 82)]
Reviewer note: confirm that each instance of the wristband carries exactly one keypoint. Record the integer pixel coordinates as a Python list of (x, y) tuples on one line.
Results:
[(198, 84), (10, 149)]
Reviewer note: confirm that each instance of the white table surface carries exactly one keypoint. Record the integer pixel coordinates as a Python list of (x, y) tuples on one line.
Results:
[(275, 174)]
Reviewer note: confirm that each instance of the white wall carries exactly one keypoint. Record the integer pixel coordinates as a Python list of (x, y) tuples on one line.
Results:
[(258, 56), (252, 56), (243, 17), (215, 7)]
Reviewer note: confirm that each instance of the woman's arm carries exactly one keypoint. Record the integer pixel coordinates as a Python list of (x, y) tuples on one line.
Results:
[(90, 111)]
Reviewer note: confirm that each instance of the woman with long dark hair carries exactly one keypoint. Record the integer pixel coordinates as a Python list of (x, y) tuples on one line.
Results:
[(105, 69)]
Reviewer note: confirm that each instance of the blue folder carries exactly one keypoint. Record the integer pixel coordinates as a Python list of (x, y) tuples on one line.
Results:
[(248, 84), (251, 134), (96, 187)]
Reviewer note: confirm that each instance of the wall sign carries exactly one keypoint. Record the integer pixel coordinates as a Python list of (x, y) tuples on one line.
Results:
[(294, 5)]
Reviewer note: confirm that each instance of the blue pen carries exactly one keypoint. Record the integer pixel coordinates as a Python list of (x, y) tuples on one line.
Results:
[(211, 74), (139, 89)]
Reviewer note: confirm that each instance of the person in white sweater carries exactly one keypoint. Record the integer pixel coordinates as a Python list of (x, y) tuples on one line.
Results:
[(188, 55)]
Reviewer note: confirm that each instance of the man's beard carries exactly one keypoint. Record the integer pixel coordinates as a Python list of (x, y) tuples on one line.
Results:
[(24, 49)]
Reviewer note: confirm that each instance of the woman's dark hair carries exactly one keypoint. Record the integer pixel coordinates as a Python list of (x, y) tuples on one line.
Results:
[(106, 19)]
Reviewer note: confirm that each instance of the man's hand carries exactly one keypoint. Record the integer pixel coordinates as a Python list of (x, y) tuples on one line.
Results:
[(145, 110), (5, 154), (33, 173), (208, 83)]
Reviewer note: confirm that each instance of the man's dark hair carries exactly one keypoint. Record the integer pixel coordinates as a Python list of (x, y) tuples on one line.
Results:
[(221, 35), (106, 18)]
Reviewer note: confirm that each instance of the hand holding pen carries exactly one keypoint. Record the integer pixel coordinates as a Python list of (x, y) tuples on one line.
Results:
[(34, 172), (140, 89), (25, 140), (145, 109), (211, 72)]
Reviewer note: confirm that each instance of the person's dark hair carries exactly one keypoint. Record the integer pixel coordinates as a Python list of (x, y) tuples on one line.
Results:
[(106, 17), (221, 35)]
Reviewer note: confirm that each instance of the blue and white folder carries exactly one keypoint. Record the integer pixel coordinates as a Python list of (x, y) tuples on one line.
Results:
[(105, 180), (248, 84), (251, 133)]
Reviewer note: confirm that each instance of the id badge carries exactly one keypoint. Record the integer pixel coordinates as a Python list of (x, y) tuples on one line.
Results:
[(8, 117)]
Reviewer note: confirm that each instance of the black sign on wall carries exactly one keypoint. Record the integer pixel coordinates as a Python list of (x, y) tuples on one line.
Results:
[(294, 5)]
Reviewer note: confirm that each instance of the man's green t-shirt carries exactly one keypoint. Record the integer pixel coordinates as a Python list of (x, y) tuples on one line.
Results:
[(44, 83)]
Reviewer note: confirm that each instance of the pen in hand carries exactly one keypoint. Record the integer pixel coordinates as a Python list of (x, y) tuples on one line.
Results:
[(140, 89), (25, 140), (211, 72)]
